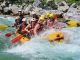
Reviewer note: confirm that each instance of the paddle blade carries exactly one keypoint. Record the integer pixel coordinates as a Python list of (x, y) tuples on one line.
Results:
[(16, 39), (2, 27), (8, 34)]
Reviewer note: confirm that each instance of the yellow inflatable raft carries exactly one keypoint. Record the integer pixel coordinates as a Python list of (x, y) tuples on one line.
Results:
[(55, 36), (23, 39), (72, 23), (2, 27)]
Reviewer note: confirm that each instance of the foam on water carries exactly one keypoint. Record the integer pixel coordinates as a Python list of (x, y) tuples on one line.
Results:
[(38, 48)]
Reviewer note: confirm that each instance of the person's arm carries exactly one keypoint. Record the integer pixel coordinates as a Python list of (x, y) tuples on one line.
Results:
[(17, 29), (26, 29), (35, 29)]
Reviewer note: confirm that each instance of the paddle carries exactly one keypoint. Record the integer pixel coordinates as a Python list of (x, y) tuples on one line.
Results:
[(8, 34), (3, 27), (16, 39), (19, 36)]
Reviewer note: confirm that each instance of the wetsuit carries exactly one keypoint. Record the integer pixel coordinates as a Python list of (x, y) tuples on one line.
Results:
[(21, 17)]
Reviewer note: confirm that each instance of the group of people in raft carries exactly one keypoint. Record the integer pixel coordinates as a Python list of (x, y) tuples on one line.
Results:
[(37, 23)]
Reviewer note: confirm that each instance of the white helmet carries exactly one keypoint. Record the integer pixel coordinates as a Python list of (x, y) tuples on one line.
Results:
[(33, 19), (17, 17), (24, 19)]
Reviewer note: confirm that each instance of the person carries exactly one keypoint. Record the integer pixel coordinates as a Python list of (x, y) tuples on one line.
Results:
[(17, 22), (33, 16), (20, 15), (31, 26), (51, 21), (21, 27), (39, 26)]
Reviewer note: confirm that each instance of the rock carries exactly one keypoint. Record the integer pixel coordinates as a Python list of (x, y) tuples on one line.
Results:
[(0, 8), (78, 7), (15, 9), (72, 14), (6, 9), (36, 3), (3, 4), (63, 6), (26, 10), (73, 5), (37, 11)]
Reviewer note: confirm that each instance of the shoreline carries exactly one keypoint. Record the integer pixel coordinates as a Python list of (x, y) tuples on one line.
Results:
[(7, 16)]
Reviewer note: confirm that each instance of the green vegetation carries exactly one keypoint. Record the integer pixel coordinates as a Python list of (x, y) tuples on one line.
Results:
[(50, 4), (44, 3), (71, 1)]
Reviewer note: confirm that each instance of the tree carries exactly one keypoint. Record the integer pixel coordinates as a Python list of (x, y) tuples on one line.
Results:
[(52, 4), (70, 1)]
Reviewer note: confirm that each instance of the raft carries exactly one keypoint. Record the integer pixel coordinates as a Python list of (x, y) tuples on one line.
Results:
[(55, 36), (24, 39), (72, 23), (2, 27), (20, 38), (16, 39)]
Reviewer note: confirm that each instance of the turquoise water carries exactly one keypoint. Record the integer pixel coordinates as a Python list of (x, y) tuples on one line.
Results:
[(38, 48)]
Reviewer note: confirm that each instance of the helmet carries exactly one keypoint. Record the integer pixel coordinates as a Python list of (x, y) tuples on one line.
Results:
[(33, 19), (51, 15), (17, 17), (24, 19), (47, 14), (41, 19)]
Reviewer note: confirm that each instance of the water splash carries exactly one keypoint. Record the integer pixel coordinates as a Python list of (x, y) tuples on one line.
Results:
[(38, 48)]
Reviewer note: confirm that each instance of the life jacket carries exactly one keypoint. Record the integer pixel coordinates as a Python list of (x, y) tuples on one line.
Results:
[(41, 27), (31, 29), (25, 34), (16, 25), (21, 27), (21, 19)]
